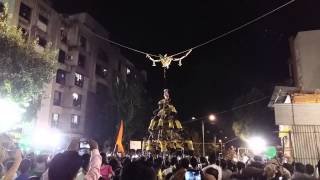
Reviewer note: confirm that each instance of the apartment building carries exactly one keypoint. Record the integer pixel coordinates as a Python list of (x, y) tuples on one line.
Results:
[(86, 63)]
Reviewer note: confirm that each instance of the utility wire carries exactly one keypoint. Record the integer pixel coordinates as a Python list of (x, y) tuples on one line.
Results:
[(236, 29), (123, 46), (202, 44), (233, 108), (243, 105)]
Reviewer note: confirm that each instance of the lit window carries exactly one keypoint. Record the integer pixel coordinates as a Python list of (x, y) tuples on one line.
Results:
[(128, 71), (101, 71), (75, 121), (25, 11), (61, 77), (57, 98), (78, 80), (76, 100), (118, 80), (55, 120), (61, 56)]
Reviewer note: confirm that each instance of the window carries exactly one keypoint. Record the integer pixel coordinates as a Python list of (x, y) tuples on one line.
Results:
[(128, 71), (76, 100), (43, 19), (82, 60), (42, 23), (78, 80), (25, 11), (102, 55), (61, 77), (118, 80), (55, 120), (42, 42), (63, 35), (61, 56), (83, 42), (101, 71), (1, 7), (57, 98), (75, 121)]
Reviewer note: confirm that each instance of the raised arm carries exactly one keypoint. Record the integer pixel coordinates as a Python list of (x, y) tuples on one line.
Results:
[(95, 162), (9, 175)]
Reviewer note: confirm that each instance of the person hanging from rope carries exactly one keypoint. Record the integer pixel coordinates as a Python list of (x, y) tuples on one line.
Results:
[(166, 60)]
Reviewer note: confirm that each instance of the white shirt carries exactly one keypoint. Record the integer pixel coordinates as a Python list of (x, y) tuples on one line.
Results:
[(214, 166)]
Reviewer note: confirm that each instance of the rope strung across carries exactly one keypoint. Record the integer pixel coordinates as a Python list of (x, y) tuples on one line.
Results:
[(166, 60)]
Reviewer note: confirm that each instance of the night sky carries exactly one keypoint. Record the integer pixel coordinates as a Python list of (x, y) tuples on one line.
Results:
[(212, 76)]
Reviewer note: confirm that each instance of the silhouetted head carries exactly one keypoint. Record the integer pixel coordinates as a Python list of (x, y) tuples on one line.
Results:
[(299, 167), (114, 163), (223, 164), (184, 163), (212, 171), (212, 159), (174, 161), (104, 158), (194, 162), (137, 171), (309, 169), (64, 166), (25, 166)]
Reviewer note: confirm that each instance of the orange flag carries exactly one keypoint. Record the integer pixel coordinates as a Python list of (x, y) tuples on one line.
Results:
[(119, 139)]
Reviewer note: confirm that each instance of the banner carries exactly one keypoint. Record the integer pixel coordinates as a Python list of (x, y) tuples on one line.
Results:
[(135, 145)]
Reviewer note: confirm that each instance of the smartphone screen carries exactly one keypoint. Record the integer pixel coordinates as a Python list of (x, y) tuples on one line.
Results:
[(84, 145), (192, 175)]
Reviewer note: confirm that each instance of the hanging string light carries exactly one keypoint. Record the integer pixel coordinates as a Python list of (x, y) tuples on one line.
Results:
[(167, 60)]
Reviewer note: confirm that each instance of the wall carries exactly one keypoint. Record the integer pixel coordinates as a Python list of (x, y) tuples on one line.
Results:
[(306, 54), (297, 114)]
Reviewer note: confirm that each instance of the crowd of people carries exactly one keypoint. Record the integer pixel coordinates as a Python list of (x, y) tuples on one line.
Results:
[(95, 165)]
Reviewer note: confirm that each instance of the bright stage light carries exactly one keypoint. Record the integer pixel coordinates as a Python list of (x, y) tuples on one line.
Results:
[(10, 114), (46, 138), (257, 145)]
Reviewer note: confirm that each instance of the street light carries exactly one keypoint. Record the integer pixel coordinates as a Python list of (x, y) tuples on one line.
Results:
[(211, 118)]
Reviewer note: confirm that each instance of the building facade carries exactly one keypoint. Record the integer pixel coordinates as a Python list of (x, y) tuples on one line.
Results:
[(297, 109), (86, 63), (304, 61)]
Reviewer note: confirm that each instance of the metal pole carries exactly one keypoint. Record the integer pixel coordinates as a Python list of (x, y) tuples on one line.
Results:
[(203, 152)]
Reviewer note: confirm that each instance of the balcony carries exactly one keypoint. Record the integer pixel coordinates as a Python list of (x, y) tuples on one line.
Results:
[(42, 26)]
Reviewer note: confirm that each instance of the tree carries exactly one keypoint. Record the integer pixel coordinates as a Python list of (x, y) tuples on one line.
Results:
[(23, 71), (251, 119), (130, 100)]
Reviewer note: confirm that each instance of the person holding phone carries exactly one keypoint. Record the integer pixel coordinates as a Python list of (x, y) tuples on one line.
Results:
[(95, 162), (194, 172), (9, 150), (65, 166)]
